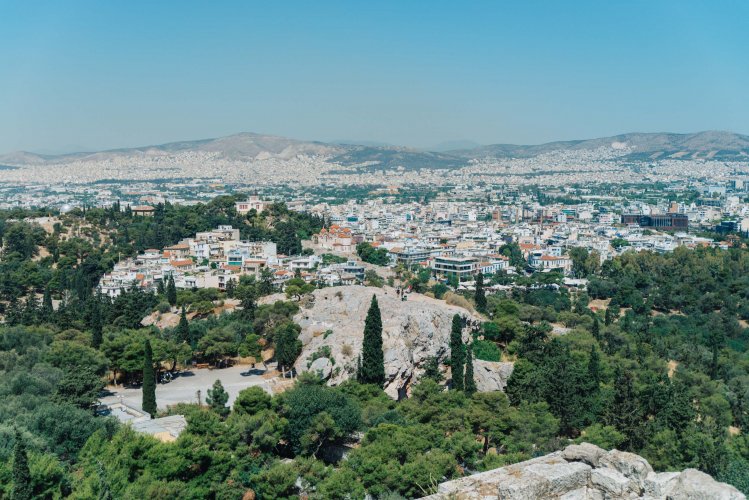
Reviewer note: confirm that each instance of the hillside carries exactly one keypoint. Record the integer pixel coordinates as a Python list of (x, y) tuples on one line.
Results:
[(250, 146)]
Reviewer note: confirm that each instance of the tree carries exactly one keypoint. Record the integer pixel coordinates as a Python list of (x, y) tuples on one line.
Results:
[(80, 387), (432, 369), (457, 356), (217, 398), (470, 382), (596, 329), (373, 359), (624, 410), (480, 296), (47, 309), (296, 287), (183, 328), (230, 287), (251, 401), (149, 380), (288, 345), (22, 488), (246, 293), (96, 325), (171, 291)]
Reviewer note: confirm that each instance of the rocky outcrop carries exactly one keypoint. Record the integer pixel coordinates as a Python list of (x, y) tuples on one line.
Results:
[(491, 375), (412, 332), (586, 472)]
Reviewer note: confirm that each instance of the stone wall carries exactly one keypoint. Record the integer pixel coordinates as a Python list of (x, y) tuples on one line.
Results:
[(586, 472)]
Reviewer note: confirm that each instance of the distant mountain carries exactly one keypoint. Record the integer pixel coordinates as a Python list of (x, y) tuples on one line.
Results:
[(249, 146), (713, 144), (454, 145)]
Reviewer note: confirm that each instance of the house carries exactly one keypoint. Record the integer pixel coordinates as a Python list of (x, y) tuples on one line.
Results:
[(143, 210), (336, 238), (253, 203), (461, 267)]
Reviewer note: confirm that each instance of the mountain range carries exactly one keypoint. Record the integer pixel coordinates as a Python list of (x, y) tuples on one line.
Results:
[(249, 146)]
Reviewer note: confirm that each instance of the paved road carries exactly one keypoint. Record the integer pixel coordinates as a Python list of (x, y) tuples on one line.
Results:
[(183, 389)]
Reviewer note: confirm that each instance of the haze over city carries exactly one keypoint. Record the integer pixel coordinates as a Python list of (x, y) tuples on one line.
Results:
[(83, 76)]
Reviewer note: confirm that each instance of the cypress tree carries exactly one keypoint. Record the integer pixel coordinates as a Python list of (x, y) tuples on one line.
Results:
[(373, 359), (47, 309), (96, 325), (457, 359), (470, 382), (171, 291), (609, 317), (183, 328), (160, 290), (21, 475), (149, 381), (596, 331), (480, 296)]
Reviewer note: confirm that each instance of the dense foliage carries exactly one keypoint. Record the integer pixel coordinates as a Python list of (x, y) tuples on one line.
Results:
[(652, 359)]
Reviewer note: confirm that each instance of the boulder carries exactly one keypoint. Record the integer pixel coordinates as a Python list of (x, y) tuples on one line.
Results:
[(612, 483), (323, 367), (584, 452), (491, 375), (695, 485), (632, 466), (660, 484)]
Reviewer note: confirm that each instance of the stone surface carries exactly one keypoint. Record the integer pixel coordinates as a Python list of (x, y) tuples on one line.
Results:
[(491, 375), (563, 477), (410, 335), (659, 484), (323, 367), (695, 485), (633, 466), (572, 475), (585, 452), (611, 482)]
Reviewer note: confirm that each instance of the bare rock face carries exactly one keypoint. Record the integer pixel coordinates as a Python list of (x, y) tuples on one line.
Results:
[(412, 332), (491, 375), (586, 472)]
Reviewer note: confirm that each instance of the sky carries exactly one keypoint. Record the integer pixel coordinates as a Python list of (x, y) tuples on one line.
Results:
[(86, 75)]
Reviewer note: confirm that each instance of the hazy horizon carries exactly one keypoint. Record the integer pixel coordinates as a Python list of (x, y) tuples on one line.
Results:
[(86, 76)]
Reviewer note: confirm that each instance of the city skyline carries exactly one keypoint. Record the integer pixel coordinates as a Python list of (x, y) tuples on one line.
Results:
[(89, 77)]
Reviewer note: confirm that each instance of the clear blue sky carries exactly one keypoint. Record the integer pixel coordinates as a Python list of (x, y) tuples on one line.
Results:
[(104, 74)]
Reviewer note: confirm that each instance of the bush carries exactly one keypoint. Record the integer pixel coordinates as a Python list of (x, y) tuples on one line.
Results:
[(454, 299), (486, 351)]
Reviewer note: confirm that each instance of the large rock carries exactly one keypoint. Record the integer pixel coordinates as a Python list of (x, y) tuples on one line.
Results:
[(632, 466), (585, 472), (322, 367), (584, 452), (412, 332), (695, 485), (491, 375)]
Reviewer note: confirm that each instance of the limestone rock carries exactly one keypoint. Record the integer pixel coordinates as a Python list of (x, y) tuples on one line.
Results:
[(658, 485), (584, 452), (412, 332), (632, 466), (562, 477), (611, 482), (695, 485), (322, 367), (491, 375)]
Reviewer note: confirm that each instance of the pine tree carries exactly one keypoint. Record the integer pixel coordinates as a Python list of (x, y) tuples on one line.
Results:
[(149, 381), (470, 381), (183, 328), (171, 291), (217, 398), (457, 357), (373, 359), (480, 296), (96, 325), (432, 369), (21, 474)]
